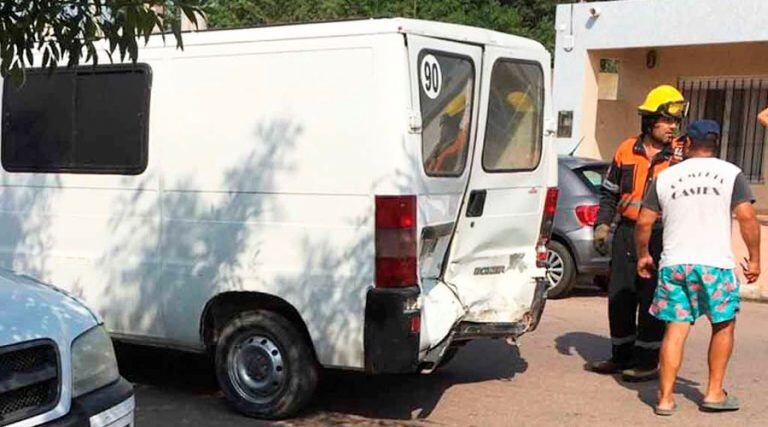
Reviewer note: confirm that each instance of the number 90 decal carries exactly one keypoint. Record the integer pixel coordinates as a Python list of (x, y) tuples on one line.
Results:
[(431, 76)]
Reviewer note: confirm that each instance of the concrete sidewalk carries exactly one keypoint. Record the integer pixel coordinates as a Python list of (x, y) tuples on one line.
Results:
[(759, 290)]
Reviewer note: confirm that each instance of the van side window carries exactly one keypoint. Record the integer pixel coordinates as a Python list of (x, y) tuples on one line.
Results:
[(86, 120), (513, 134), (446, 92)]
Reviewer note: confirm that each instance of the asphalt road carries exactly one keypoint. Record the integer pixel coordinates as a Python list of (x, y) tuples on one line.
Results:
[(488, 383)]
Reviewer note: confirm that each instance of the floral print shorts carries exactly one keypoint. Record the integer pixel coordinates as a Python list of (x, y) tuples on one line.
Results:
[(686, 292)]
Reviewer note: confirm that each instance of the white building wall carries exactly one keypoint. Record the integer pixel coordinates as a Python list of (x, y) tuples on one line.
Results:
[(584, 27)]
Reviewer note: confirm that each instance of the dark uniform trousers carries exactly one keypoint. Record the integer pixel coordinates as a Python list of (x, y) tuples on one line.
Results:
[(635, 334)]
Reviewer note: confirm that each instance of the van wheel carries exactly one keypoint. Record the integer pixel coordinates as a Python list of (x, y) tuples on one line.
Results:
[(561, 272), (264, 366)]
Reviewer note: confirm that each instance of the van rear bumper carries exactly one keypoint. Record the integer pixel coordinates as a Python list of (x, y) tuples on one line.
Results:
[(392, 323), (530, 320)]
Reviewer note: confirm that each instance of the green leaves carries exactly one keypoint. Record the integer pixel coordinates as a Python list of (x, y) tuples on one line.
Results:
[(530, 18), (47, 32)]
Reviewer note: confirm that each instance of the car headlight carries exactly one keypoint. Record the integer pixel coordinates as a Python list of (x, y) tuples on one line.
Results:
[(93, 362)]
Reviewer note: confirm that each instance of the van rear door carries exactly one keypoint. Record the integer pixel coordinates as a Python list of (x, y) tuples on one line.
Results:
[(445, 82), (491, 263)]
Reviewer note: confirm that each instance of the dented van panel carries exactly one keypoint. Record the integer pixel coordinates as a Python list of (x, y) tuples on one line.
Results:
[(481, 277), (500, 293), (441, 311), (503, 293)]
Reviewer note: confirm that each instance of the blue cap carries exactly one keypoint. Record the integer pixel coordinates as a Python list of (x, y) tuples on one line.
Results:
[(699, 129)]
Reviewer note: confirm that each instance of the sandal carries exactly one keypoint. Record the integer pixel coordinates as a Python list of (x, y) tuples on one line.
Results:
[(665, 412), (730, 403)]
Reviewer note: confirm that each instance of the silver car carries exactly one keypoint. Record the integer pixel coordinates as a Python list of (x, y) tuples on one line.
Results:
[(57, 364), (571, 253)]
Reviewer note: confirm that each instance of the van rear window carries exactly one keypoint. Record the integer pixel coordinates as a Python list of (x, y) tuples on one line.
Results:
[(446, 92), (87, 120), (513, 135)]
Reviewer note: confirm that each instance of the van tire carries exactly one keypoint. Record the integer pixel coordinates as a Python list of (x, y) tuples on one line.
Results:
[(264, 366), (567, 270)]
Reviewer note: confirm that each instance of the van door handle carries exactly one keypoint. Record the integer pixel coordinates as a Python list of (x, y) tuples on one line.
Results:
[(476, 203)]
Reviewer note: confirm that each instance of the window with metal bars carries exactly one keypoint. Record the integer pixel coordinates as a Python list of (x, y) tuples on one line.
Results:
[(734, 102)]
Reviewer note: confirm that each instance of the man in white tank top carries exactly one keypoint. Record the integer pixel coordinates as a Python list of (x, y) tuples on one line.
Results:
[(696, 199)]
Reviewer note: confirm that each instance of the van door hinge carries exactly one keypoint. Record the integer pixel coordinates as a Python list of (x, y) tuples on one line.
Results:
[(550, 128), (414, 122)]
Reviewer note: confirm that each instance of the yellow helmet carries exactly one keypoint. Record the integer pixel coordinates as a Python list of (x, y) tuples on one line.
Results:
[(664, 100), (457, 105), (520, 101)]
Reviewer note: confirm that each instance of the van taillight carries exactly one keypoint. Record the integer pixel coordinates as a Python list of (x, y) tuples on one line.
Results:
[(396, 241), (550, 207)]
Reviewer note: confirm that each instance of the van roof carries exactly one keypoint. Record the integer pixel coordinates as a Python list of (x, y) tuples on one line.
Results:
[(441, 30)]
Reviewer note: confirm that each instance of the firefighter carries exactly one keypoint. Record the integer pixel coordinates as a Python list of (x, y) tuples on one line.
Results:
[(635, 334)]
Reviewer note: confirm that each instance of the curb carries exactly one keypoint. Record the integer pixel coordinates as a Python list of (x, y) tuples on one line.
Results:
[(753, 293)]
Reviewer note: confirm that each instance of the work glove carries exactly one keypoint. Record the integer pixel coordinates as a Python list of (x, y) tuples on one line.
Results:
[(601, 238)]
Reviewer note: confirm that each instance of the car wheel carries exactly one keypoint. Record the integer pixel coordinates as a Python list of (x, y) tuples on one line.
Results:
[(561, 270), (265, 367)]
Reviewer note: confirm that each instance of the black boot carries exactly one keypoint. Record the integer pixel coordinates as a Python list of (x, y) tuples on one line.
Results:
[(608, 366), (639, 374)]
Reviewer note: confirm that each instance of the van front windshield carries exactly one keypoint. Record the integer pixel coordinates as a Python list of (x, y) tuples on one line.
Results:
[(446, 91)]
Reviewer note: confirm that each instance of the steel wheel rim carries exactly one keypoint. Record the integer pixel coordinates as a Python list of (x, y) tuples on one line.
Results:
[(555, 269), (256, 368)]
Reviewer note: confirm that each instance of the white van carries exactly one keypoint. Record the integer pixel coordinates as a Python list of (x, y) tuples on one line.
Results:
[(364, 195)]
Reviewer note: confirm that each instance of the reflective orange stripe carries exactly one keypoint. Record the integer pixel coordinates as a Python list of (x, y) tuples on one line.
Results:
[(631, 155)]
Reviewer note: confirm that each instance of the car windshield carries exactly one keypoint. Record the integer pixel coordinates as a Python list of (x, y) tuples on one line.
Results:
[(592, 176)]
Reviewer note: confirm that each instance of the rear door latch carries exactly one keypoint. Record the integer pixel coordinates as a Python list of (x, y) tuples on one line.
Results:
[(476, 203)]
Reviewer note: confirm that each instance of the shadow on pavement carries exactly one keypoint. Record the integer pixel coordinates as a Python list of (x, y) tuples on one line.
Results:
[(343, 397), (406, 397), (593, 347), (587, 292), (589, 287), (175, 388), (167, 369)]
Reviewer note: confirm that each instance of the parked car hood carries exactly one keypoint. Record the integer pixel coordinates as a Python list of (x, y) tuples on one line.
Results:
[(32, 310)]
